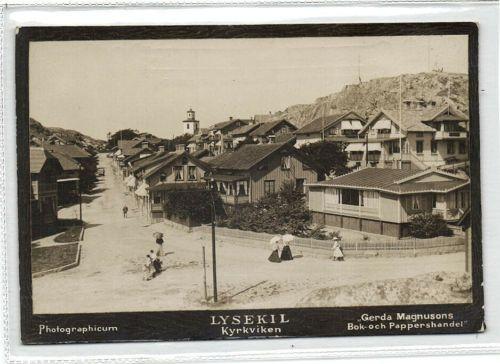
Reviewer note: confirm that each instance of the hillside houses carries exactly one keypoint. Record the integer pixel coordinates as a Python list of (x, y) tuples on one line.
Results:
[(425, 137)]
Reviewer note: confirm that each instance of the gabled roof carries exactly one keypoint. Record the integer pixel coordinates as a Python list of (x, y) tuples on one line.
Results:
[(265, 128), (395, 181), (149, 160), (128, 144), (415, 119), (245, 129), (70, 150), (136, 152), (249, 155), (67, 163), (173, 158), (39, 157), (323, 123), (224, 124)]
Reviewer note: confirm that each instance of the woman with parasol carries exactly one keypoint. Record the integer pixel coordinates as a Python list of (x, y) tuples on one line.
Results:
[(275, 247)]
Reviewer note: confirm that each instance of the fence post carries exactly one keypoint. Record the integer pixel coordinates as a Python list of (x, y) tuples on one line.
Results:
[(415, 247)]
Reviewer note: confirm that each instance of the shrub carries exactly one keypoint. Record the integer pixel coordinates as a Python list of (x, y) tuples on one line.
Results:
[(192, 204), (428, 226), (277, 213)]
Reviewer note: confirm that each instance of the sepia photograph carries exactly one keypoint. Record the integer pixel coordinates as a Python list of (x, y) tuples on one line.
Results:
[(250, 173)]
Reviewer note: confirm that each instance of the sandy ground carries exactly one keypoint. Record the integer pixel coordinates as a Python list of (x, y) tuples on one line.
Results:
[(109, 278)]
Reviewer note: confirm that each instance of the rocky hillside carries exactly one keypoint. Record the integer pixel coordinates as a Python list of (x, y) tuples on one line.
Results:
[(39, 132), (367, 97)]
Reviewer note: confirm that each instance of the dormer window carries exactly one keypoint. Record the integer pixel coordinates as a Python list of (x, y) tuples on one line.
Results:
[(163, 177), (286, 162), (178, 173)]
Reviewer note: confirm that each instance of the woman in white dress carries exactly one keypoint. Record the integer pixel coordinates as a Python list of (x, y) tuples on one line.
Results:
[(276, 250), (337, 251)]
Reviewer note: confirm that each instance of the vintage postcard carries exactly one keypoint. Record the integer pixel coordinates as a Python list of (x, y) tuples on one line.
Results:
[(211, 182)]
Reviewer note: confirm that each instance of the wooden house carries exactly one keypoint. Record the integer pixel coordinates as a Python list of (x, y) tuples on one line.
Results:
[(382, 200), (254, 170), (68, 182), (343, 127), (45, 169), (426, 136), (270, 131)]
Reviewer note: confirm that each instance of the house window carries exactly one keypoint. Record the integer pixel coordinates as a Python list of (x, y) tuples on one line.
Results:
[(192, 173), (420, 146), (242, 187), (299, 184), (420, 134), (269, 187), (230, 188), (394, 147), (179, 173), (434, 147), (350, 197), (462, 147), (434, 200), (187, 126), (286, 162), (333, 131), (415, 202), (157, 197), (450, 147), (368, 199)]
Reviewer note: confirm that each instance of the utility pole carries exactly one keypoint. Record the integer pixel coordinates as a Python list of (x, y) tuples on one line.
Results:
[(214, 255), (400, 121)]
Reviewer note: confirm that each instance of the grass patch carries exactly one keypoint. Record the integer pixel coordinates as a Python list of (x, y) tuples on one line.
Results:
[(69, 236)]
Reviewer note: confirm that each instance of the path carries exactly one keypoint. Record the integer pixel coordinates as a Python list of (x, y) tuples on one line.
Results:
[(109, 278)]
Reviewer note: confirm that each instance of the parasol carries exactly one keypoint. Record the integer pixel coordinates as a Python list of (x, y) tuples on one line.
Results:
[(288, 238)]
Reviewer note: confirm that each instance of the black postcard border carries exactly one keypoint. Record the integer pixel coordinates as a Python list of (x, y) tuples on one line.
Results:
[(195, 325)]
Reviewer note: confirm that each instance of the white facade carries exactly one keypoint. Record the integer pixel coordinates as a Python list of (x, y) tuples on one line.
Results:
[(191, 125)]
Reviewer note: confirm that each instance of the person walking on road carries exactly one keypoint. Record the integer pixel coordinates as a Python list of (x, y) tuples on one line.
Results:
[(159, 244), (337, 250), (275, 247), (286, 252), (125, 210), (156, 263)]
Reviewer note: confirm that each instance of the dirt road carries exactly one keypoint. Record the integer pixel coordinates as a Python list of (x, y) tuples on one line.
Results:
[(109, 278)]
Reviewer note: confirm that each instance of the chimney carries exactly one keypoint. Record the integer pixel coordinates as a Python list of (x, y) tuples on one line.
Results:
[(180, 147), (161, 148), (144, 144), (230, 118)]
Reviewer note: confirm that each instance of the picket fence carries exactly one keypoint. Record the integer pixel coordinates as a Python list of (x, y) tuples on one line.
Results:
[(346, 244)]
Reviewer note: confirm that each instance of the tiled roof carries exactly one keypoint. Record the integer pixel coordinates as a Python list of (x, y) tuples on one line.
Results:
[(245, 157), (390, 180), (71, 150), (149, 160), (127, 144), (172, 158), (245, 129), (67, 163), (265, 128)]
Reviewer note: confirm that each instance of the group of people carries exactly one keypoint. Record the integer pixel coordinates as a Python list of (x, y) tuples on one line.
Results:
[(280, 246), (153, 264)]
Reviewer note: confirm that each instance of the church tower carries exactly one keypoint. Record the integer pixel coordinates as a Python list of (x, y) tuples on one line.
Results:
[(191, 125)]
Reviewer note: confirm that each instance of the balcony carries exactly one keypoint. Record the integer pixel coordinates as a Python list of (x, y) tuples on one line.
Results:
[(384, 136), (443, 135), (234, 200)]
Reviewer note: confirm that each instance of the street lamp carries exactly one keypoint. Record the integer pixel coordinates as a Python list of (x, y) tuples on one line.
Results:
[(214, 259)]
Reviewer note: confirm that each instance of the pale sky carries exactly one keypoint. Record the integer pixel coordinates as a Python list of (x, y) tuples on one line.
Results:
[(100, 86)]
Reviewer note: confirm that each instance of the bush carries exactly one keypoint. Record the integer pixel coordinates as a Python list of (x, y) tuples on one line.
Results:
[(277, 213), (195, 205), (428, 226)]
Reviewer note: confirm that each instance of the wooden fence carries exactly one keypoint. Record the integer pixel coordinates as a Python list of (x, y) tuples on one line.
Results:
[(360, 245)]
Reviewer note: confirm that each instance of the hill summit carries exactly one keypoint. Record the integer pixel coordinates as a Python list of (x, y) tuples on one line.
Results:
[(368, 97)]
